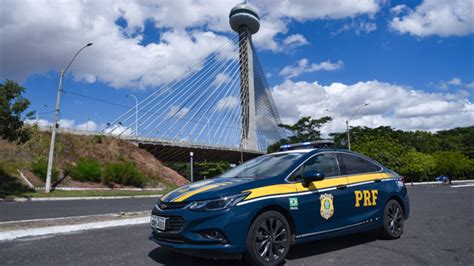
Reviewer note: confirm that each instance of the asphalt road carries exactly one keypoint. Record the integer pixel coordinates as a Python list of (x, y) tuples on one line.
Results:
[(13, 211), (440, 231)]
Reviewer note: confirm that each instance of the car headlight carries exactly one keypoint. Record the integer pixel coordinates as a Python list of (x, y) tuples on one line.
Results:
[(217, 204)]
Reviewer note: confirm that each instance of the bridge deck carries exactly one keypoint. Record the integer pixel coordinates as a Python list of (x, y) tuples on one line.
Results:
[(173, 152)]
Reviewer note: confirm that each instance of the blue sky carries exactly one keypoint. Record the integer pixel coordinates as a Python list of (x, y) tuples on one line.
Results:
[(412, 61)]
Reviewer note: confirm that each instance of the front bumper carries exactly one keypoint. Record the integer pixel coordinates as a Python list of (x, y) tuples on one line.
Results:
[(192, 235)]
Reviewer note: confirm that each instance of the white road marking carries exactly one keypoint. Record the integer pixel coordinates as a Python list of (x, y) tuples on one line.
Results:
[(466, 185), (61, 229)]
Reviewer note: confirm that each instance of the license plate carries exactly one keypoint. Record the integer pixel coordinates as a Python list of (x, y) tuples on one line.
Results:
[(158, 222)]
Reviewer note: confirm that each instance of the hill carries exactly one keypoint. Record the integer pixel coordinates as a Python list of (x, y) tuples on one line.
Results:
[(114, 162)]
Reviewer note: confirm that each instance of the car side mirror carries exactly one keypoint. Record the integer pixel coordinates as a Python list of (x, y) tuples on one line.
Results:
[(311, 176)]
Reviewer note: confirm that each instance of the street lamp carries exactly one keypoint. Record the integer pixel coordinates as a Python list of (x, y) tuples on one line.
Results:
[(136, 113), (37, 112), (56, 117), (191, 170), (347, 125)]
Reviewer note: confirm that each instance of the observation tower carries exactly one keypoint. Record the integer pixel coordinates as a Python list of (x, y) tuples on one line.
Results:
[(245, 21)]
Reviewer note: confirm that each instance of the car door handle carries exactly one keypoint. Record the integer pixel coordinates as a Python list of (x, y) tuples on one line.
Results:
[(377, 180), (341, 187)]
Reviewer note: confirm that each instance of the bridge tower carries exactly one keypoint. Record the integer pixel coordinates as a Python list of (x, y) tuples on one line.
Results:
[(245, 21)]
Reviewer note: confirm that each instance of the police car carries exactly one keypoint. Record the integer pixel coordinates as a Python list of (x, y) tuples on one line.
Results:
[(262, 207)]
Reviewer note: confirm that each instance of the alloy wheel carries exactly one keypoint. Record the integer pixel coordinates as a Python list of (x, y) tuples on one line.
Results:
[(271, 239)]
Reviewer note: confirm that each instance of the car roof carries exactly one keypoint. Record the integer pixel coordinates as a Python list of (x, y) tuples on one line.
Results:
[(313, 150)]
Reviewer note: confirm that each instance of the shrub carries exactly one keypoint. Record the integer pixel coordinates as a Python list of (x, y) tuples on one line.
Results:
[(86, 169), (124, 173), (97, 139), (39, 167)]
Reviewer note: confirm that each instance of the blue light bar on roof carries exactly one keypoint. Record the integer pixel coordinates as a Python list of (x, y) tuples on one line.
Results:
[(324, 143)]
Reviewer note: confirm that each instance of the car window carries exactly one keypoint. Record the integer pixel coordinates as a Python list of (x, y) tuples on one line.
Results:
[(265, 166), (325, 162), (355, 165)]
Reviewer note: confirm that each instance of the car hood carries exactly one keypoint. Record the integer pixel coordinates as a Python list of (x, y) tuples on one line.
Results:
[(213, 188)]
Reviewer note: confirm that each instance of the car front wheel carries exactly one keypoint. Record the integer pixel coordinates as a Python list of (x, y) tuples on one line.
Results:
[(392, 220), (268, 239)]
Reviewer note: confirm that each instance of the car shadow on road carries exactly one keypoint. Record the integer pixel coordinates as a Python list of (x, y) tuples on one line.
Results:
[(329, 245), (167, 257)]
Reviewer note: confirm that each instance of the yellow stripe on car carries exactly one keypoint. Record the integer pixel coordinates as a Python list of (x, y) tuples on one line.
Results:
[(317, 185), (194, 192), (325, 183), (270, 190), (367, 177)]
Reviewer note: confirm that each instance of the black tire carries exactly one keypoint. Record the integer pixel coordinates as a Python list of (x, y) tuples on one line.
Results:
[(393, 219), (268, 239)]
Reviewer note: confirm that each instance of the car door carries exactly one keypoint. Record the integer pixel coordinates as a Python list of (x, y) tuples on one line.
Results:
[(323, 204), (365, 187)]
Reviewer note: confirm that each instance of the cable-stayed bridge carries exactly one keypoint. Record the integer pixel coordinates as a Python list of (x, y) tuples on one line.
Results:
[(220, 109)]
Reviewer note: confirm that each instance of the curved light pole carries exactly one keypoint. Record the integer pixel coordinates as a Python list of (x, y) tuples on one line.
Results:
[(136, 113), (347, 124), (56, 117)]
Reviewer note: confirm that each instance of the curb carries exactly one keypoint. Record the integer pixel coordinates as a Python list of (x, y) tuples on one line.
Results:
[(31, 232), (78, 198), (438, 182)]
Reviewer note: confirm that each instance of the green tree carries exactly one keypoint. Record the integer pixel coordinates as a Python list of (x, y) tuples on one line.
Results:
[(12, 105), (417, 166), (305, 129), (454, 164)]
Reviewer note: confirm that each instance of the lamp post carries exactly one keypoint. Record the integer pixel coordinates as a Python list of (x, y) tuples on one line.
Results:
[(37, 112), (136, 113), (191, 154), (347, 125), (56, 117)]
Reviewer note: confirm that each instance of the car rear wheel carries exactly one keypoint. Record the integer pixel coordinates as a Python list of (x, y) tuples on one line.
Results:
[(268, 239), (392, 220)]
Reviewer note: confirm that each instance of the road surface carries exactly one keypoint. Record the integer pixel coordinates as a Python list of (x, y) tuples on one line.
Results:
[(439, 232), (13, 211)]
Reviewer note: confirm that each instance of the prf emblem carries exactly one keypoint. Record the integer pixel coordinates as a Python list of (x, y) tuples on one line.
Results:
[(369, 197), (327, 207)]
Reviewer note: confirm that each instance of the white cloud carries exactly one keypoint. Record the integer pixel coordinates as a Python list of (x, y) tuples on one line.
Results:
[(221, 79), (41, 35), (398, 106), (227, 103), (455, 81), (293, 41), (88, 126), (39, 122), (435, 17), (359, 27), (303, 66), (67, 123), (276, 16), (177, 112), (119, 130)]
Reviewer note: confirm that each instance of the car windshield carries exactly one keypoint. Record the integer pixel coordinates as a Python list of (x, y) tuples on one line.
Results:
[(265, 166)]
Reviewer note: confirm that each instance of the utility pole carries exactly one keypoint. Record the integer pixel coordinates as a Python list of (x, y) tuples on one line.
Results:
[(348, 130), (56, 117)]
